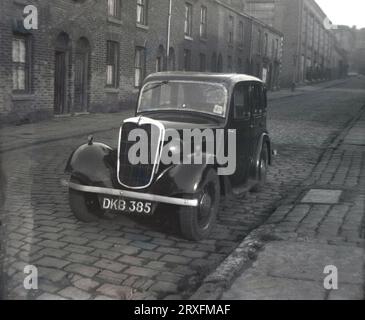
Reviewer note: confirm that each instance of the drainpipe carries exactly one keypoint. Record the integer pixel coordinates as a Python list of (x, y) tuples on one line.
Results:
[(251, 48), (168, 34), (297, 55)]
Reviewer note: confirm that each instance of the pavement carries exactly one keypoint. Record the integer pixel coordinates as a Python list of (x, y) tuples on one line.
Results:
[(59, 128), (126, 258), (313, 230)]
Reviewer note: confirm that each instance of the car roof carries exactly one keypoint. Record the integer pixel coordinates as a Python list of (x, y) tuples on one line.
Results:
[(228, 78)]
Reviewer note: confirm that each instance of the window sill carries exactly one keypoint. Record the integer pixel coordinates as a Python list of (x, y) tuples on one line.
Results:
[(115, 20), (22, 96), (112, 90), (188, 38), (142, 26)]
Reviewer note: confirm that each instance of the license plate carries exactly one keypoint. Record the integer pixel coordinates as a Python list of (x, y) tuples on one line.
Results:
[(126, 205)]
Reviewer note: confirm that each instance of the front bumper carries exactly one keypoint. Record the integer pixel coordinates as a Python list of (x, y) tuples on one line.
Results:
[(131, 194)]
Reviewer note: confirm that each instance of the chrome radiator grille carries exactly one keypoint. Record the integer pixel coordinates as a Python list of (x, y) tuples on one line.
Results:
[(138, 176)]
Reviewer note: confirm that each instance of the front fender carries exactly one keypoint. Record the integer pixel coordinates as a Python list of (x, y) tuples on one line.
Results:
[(93, 164), (183, 179)]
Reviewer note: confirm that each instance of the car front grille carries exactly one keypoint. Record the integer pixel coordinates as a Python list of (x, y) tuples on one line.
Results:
[(137, 176)]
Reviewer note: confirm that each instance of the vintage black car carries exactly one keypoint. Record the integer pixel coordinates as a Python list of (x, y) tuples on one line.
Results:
[(103, 179)]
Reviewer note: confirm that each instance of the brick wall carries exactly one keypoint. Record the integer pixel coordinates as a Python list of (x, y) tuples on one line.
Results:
[(87, 22)]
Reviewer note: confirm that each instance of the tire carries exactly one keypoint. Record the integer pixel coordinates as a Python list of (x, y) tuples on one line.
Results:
[(85, 207), (263, 167), (196, 223)]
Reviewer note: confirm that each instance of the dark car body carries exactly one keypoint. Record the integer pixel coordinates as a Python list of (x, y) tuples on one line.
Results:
[(97, 169)]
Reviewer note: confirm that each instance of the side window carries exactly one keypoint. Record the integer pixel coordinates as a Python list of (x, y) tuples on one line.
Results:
[(257, 98), (241, 101), (264, 98)]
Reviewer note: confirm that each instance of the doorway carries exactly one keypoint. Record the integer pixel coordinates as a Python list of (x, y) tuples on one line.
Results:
[(61, 104), (82, 79)]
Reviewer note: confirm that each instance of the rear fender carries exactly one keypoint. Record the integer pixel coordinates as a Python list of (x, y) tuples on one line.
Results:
[(264, 141)]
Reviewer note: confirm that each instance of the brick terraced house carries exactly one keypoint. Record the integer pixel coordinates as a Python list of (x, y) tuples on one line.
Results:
[(310, 51), (92, 55)]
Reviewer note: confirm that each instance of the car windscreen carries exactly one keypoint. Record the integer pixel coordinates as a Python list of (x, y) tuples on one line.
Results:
[(203, 97)]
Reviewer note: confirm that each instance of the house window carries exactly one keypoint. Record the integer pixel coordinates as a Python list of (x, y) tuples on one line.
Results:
[(241, 33), (230, 29), (21, 67), (202, 62), (203, 22), (139, 66), (188, 19), (142, 9), (187, 60), (112, 65), (114, 8)]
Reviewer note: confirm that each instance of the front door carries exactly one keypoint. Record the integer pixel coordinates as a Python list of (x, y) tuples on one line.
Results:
[(81, 81), (242, 122), (60, 100)]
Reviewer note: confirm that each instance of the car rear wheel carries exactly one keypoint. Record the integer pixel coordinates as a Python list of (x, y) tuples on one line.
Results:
[(196, 223), (84, 206), (262, 170)]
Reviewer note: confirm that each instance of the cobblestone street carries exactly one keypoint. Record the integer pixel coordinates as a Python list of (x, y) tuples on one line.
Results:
[(124, 258)]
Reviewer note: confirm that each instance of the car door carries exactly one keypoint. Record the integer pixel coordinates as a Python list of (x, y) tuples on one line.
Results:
[(242, 122), (258, 111), (260, 114)]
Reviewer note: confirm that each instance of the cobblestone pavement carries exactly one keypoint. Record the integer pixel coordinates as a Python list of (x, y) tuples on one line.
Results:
[(314, 233), (123, 258)]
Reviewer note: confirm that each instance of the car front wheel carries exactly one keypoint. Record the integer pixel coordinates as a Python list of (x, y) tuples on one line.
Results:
[(196, 223), (85, 207)]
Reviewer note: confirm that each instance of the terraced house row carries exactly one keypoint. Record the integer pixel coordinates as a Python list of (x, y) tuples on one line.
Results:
[(311, 51), (89, 55)]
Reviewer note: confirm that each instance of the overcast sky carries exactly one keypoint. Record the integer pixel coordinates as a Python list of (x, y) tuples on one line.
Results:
[(348, 12)]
